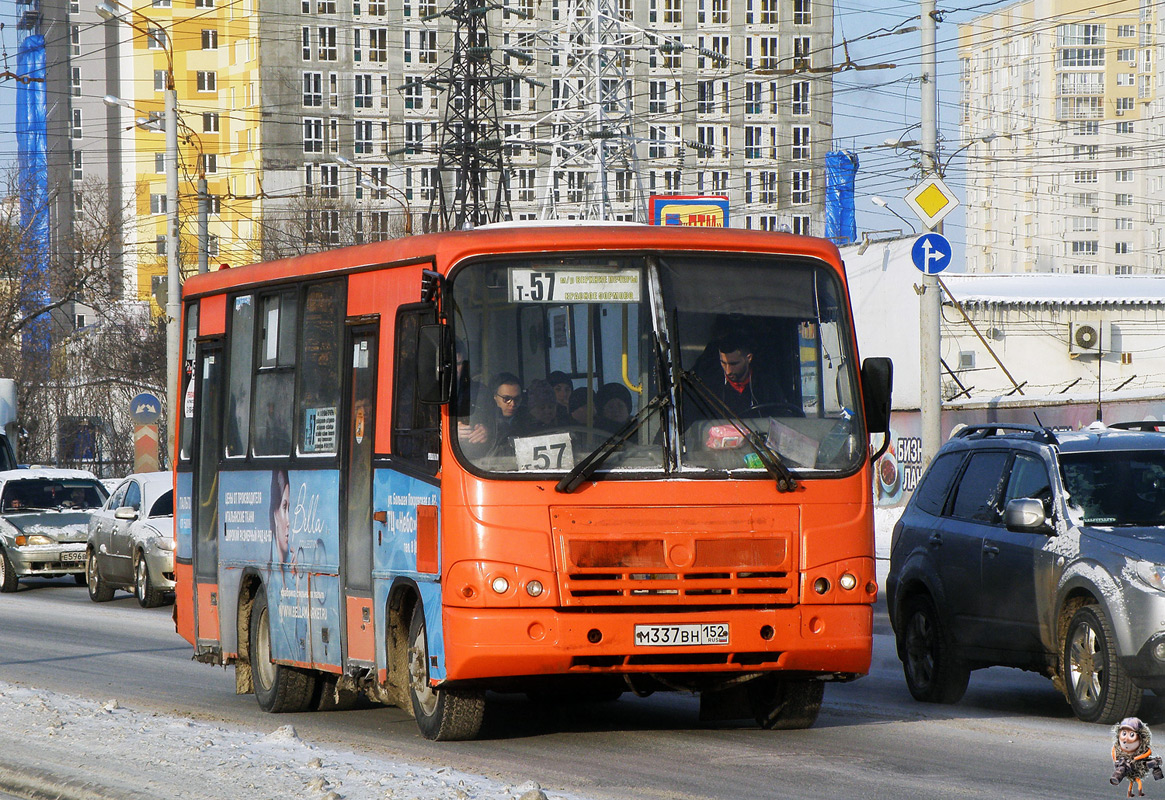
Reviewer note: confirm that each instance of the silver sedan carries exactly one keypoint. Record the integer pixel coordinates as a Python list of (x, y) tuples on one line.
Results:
[(131, 541), (44, 515)]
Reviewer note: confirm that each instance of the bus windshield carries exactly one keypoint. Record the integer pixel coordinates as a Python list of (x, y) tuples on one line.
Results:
[(676, 363)]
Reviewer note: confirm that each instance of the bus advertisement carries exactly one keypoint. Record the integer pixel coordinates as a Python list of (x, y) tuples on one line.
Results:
[(569, 461)]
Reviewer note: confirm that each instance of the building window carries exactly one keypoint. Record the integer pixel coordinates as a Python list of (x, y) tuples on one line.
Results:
[(157, 204), (363, 95), (801, 187), (768, 187), (156, 39), (801, 225), (327, 49), (801, 99), (204, 3), (209, 163), (77, 126), (362, 141), (1124, 223), (305, 44), (719, 12), (705, 97), (1123, 176), (159, 80), (802, 12), (1126, 31), (210, 122), (1084, 247), (1126, 54), (159, 163), (673, 11), (378, 45), (753, 97), (801, 48), (313, 90), (769, 52), (1084, 176), (207, 81), (160, 245), (209, 39), (313, 135), (326, 6), (75, 82), (1123, 200), (657, 101), (329, 180), (752, 141), (768, 12), (800, 142)]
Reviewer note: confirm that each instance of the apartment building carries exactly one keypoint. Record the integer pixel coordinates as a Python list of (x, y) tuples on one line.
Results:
[(317, 122), (1060, 116)]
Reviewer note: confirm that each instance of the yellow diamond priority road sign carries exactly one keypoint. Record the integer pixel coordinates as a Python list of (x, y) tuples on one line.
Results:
[(932, 200)]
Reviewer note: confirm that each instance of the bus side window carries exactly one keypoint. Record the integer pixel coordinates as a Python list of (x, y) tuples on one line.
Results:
[(271, 416), (416, 426)]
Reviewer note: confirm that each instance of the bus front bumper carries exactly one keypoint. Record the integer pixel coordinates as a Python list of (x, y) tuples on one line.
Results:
[(818, 639)]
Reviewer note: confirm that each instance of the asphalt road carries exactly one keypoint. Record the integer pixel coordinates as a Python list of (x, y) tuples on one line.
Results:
[(1012, 736)]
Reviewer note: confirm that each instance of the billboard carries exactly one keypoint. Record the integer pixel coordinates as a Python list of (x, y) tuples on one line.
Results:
[(707, 211)]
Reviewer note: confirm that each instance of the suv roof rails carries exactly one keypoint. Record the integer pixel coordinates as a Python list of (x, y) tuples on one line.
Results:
[(1037, 433), (1147, 426)]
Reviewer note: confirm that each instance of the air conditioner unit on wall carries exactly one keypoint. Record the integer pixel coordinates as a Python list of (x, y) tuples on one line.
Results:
[(1089, 337)]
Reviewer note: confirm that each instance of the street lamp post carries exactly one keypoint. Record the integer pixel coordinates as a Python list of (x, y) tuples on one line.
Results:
[(173, 277), (402, 200)]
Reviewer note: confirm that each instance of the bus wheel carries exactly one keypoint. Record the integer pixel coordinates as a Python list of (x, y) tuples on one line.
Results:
[(278, 689), (785, 704), (442, 714)]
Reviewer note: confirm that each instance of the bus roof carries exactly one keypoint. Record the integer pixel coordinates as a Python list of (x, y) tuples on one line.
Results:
[(447, 249)]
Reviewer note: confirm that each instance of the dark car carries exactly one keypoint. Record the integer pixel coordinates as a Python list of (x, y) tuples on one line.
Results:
[(1038, 549)]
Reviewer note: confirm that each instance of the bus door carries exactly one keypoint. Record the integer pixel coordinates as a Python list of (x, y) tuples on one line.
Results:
[(208, 376), (360, 638)]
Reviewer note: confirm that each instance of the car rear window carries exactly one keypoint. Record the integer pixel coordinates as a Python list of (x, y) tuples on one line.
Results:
[(936, 483)]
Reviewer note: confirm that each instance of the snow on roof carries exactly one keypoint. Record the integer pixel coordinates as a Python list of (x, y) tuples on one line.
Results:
[(1043, 289)]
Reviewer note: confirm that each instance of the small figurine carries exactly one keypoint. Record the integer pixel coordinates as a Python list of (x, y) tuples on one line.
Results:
[(1132, 757)]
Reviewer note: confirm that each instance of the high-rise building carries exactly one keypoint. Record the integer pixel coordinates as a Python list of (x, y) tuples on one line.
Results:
[(1061, 122), (317, 122)]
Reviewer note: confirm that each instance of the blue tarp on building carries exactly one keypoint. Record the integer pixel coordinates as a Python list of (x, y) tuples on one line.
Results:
[(32, 152), (841, 168)]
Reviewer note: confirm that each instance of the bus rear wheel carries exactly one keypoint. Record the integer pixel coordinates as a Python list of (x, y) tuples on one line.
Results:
[(785, 704), (442, 714), (278, 688)]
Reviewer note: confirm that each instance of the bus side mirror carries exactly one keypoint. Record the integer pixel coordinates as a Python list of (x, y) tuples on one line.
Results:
[(434, 370), (877, 382)]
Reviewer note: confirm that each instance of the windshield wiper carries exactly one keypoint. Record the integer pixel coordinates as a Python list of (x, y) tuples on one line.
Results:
[(773, 464), (585, 468)]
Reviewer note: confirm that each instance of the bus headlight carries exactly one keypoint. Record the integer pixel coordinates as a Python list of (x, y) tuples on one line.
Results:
[(847, 581), (534, 588), (500, 585)]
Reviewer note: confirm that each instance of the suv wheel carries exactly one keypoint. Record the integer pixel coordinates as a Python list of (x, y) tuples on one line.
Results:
[(933, 673), (1099, 689)]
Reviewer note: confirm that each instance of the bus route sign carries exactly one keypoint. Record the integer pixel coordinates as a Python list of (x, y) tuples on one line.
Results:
[(574, 286)]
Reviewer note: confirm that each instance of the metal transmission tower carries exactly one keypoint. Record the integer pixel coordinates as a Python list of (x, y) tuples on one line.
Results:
[(471, 134), (594, 167)]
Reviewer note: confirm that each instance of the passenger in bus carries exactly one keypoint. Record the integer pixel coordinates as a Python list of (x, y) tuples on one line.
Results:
[(490, 432), (543, 408), (579, 405), (563, 386), (613, 404)]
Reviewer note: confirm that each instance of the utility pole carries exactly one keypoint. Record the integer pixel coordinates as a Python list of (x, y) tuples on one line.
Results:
[(471, 145), (930, 299)]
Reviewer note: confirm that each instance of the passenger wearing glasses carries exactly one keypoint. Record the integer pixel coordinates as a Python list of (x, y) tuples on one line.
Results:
[(506, 421)]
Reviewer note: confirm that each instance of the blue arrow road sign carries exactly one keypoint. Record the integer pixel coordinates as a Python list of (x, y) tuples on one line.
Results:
[(931, 253), (145, 408)]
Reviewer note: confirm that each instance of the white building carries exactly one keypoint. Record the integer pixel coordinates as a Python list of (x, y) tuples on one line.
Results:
[(1066, 92)]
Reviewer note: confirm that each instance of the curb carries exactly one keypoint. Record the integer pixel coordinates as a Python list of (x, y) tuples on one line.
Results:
[(37, 784)]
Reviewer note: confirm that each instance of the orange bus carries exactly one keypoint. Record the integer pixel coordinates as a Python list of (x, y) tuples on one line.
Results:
[(568, 460)]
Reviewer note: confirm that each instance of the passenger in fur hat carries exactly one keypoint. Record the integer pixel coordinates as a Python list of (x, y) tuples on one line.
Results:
[(1132, 757)]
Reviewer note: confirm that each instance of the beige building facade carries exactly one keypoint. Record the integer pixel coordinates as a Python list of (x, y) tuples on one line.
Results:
[(1059, 115)]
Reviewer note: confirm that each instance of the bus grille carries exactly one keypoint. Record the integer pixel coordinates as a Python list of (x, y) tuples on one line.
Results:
[(662, 556)]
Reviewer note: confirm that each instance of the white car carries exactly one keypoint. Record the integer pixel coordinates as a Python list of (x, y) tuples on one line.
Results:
[(44, 520), (131, 541)]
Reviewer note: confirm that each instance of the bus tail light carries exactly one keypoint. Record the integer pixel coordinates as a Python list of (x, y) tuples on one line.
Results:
[(498, 585)]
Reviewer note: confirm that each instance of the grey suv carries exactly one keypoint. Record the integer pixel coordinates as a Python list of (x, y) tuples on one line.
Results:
[(1037, 549)]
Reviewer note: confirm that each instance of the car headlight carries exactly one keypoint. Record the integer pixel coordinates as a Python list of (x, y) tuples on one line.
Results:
[(1152, 574), (164, 543), (35, 539)]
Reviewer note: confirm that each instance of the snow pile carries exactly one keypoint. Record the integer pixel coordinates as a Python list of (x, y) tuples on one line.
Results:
[(92, 750)]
